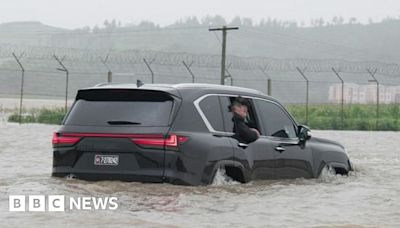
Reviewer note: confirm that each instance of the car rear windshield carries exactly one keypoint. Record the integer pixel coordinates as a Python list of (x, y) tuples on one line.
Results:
[(121, 107)]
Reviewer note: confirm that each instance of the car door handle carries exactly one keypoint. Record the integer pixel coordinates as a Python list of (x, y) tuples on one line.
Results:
[(243, 145), (280, 149)]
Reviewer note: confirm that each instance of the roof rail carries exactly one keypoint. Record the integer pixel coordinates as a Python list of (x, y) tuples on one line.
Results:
[(103, 84)]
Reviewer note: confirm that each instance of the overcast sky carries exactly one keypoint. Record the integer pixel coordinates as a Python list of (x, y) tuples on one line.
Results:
[(78, 13)]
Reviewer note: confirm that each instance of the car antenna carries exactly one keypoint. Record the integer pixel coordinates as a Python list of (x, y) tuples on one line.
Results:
[(139, 83)]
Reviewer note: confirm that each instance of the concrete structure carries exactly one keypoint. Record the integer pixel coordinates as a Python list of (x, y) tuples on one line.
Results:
[(363, 94)]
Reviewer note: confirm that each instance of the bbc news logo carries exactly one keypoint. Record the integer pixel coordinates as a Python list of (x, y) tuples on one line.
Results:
[(41, 203)]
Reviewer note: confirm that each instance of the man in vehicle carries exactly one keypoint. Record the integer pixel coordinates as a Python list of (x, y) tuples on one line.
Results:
[(243, 133)]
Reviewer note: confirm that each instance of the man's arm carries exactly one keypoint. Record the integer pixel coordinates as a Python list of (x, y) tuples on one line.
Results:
[(247, 134), (254, 129)]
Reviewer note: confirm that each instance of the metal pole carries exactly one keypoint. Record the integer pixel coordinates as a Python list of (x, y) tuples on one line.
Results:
[(22, 84), (151, 71), (66, 79), (377, 95), (109, 73), (342, 99), (269, 81), (66, 90), (224, 32), (223, 55), (229, 76), (109, 77), (307, 92), (188, 69), (269, 87)]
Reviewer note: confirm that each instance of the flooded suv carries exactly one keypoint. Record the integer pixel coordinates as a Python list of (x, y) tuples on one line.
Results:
[(182, 134)]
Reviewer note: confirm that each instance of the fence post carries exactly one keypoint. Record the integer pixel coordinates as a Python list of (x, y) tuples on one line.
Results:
[(229, 75), (377, 95), (109, 73), (109, 77), (269, 81), (64, 69), (148, 66), (342, 98), (189, 70), (307, 92), (22, 84)]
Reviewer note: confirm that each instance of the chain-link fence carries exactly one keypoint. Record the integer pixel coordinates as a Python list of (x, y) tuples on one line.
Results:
[(53, 73)]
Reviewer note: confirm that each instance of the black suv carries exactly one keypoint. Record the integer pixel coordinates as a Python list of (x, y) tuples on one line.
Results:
[(182, 134)]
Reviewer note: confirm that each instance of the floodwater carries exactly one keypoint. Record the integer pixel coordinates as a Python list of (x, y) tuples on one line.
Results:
[(368, 197)]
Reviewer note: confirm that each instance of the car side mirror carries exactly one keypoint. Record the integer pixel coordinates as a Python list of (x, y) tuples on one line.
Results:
[(304, 133)]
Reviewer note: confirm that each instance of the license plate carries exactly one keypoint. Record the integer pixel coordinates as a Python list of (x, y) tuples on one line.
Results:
[(100, 159)]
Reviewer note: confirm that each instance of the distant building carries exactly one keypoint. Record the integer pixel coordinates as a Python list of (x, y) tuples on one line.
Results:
[(363, 94)]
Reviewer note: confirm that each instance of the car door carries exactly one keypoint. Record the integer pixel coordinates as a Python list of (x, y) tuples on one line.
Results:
[(210, 107), (292, 160), (257, 157)]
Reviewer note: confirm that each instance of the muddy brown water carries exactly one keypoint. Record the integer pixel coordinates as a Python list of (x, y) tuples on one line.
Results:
[(368, 197)]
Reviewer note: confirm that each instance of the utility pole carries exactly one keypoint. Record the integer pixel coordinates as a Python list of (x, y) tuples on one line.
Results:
[(224, 30)]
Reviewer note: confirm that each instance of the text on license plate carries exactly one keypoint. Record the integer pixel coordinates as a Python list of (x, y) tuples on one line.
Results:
[(100, 159)]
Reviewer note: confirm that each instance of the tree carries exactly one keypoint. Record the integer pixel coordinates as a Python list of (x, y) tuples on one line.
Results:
[(352, 20), (217, 20), (247, 21), (96, 29), (106, 23), (236, 21), (113, 24)]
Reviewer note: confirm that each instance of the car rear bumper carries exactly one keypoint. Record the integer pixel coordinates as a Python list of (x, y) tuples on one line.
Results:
[(148, 176)]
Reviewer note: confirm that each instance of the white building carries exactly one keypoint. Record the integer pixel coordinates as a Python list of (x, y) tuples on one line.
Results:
[(363, 94)]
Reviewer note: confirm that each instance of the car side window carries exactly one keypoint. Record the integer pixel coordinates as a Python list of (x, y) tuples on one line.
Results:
[(226, 101), (275, 120), (210, 106), (226, 113)]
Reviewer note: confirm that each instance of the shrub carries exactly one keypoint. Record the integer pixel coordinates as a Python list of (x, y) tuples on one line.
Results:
[(46, 116)]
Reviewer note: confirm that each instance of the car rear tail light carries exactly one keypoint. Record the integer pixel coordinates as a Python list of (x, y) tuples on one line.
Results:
[(171, 141), (157, 141), (61, 140)]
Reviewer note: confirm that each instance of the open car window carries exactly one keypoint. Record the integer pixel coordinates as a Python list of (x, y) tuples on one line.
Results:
[(251, 120)]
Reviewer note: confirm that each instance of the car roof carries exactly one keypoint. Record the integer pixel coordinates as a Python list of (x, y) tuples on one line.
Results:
[(178, 89), (192, 86)]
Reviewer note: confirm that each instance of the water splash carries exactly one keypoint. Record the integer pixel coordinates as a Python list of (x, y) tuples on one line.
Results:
[(327, 174), (70, 177), (221, 178)]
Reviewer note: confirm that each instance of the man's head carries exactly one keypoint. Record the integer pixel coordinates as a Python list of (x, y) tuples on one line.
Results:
[(240, 107)]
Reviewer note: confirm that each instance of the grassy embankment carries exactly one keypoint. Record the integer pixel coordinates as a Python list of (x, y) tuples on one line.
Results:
[(356, 117), (43, 115)]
